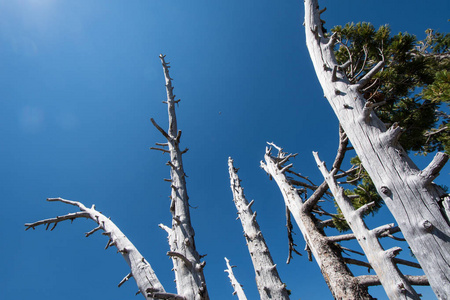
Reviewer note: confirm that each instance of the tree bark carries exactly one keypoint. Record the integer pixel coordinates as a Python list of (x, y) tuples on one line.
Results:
[(340, 280), (407, 191), (394, 282), (267, 279), (141, 270), (188, 268)]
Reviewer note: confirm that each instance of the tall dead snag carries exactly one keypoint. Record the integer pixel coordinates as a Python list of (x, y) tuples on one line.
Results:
[(267, 279), (407, 191), (340, 280), (394, 282), (188, 269), (148, 284), (236, 286)]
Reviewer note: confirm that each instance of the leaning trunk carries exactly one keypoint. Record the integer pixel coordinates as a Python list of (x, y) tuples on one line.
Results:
[(395, 284), (407, 191), (340, 280), (267, 279)]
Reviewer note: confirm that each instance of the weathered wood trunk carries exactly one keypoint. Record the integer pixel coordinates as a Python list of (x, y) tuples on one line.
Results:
[(234, 283), (407, 191), (340, 280), (146, 280), (395, 284), (267, 279), (188, 269)]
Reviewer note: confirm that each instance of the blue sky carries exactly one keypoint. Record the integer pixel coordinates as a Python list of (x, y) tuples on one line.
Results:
[(79, 82)]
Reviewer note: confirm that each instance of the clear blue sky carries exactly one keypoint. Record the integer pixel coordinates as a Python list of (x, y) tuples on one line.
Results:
[(79, 82)]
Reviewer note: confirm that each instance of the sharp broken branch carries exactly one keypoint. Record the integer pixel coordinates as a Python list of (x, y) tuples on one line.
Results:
[(125, 279), (163, 132), (159, 149), (407, 263), (234, 283), (432, 170), (93, 230), (186, 261), (357, 262), (363, 81), (340, 238)]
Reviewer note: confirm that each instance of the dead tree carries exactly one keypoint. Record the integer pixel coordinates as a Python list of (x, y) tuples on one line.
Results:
[(187, 265), (188, 268), (408, 192), (394, 282), (234, 283), (339, 278), (267, 279), (319, 245), (147, 282)]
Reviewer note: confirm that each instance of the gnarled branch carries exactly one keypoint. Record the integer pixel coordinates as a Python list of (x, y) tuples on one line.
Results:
[(141, 270)]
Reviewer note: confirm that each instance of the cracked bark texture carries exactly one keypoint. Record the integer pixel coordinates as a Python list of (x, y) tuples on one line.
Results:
[(407, 191), (141, 270), (188, 268), (340, 280), (234, 283), (267, 279), (395, 284)]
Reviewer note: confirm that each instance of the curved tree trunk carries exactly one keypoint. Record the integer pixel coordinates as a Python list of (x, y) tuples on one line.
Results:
[(407, 191)]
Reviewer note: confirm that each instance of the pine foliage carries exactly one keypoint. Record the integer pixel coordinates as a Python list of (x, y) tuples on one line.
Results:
[(412, 90)]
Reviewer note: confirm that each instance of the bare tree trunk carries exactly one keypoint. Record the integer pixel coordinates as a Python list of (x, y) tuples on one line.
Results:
[(147, 282), (236, 286), (340, 280), (188, 269), (394, 282), (267, 279), (407, 191)]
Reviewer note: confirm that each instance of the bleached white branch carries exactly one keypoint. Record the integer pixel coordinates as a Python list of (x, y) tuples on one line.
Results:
[(188, 268), (180, 256), (342, 237), (237, 287), (56, 220), (363, 81), (125, 279), (140, 269), (373, 280), (163, 132), (381, 260), (336, 273), (432, 170), (268, 281)]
